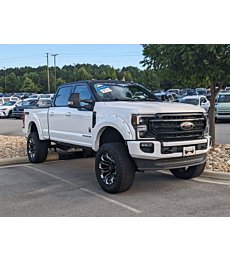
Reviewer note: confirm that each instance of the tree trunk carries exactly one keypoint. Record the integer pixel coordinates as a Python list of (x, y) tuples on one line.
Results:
[(214, 92), (212, 113)]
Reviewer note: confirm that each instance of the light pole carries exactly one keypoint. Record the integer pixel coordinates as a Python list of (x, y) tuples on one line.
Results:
[(48, 73), (55, 73), (5, 77)]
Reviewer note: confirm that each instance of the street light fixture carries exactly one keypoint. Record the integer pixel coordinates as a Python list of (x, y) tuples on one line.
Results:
[(55, 73)]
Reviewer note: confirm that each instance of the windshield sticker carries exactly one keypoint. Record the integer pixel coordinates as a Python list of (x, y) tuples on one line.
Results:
[(106, 90), (103, 89)]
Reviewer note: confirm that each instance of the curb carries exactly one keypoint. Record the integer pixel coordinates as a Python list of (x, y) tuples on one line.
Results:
[(216, 175), (22, 160)]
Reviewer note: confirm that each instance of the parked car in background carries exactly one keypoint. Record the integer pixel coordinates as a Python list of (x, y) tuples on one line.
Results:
[(7, 108), (5, 99), (175, 91), (46, 96), (222, 106), (201, 101), (191, 92), (202, 91), (30, 103)]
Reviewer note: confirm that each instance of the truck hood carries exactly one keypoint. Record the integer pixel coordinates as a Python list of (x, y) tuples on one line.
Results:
[(153, 107)]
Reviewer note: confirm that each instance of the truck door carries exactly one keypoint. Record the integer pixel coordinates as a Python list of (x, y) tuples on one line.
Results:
[(71, 125), (82, 119), (59, 123)]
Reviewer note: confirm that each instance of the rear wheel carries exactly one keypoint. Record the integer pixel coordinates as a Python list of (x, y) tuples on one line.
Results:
[(189, 172), (37, 149), (114, 168)]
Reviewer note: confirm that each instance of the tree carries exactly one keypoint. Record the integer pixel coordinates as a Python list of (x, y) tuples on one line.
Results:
[(82, 74), (12, 82), (150, 80), (60, 81), (29, 86), (208, 63)]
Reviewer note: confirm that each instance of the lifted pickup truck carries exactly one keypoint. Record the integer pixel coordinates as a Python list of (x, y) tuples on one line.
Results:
[(126, 125)]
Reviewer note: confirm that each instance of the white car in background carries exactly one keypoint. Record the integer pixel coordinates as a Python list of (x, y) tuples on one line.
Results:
[(201, 101), (5, 99), (222, 106), (7, 108)]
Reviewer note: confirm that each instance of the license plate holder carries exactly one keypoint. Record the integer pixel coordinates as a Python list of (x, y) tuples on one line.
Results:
[(189, 151)]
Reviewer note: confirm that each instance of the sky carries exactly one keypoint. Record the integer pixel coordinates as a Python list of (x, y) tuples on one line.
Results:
[(34, 55)]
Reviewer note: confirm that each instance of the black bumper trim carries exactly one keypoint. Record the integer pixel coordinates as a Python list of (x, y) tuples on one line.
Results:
[(169, 163)]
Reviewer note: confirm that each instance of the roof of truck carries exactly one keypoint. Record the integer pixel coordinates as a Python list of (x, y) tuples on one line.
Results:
[(94, 81)]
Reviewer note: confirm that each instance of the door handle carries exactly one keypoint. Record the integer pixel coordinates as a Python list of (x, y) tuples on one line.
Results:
[(51, 113), (68, 114)]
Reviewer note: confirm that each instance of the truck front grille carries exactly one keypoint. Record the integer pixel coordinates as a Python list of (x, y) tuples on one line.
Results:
[(168, 127)]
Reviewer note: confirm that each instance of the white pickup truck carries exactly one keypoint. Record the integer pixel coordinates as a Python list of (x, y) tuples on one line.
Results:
[(127, 126)]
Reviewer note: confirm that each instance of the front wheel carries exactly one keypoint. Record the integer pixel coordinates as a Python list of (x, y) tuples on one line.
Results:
[(189, 172), (115, 170), (37, 149)]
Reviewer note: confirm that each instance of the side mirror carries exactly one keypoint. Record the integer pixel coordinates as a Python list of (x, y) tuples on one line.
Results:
[(74, 100)]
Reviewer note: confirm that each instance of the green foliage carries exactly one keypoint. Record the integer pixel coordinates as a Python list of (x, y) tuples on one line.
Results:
[(16, 76), (195, 64), (29, 86), (60, 81), (82, 74), (150, 79), (12, 82)]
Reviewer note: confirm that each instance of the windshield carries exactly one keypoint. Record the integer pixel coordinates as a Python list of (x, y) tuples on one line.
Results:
[(192, 101), (9, 103), (224, 99), (113, 92)]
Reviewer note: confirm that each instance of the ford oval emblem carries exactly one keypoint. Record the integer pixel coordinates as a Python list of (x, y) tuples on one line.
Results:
[(187, 126)]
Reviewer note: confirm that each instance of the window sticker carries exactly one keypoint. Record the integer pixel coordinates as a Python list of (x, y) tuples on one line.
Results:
[(103, 89)]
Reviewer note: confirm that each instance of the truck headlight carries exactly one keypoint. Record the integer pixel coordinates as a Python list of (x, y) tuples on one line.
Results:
[(140, 124)]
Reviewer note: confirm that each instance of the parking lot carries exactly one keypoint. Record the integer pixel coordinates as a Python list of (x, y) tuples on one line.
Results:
[(70, 188)]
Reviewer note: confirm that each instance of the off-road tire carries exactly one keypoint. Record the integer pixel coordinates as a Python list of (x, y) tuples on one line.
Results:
[(191, 172), (121, 163), (37, 149)]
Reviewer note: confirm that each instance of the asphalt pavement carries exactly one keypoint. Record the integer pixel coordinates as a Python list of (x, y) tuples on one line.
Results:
[(70, 188)]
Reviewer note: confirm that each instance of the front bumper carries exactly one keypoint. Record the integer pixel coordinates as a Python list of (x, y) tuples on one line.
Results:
[(3, 114), (222, 115), (162, 160)]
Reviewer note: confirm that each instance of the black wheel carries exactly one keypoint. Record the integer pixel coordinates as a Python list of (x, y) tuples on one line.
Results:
[(189, 172), (37, 149), (114, 168), (10, 114)]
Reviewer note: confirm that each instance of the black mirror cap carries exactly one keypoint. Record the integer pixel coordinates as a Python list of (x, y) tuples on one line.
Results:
[(74, 100)]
